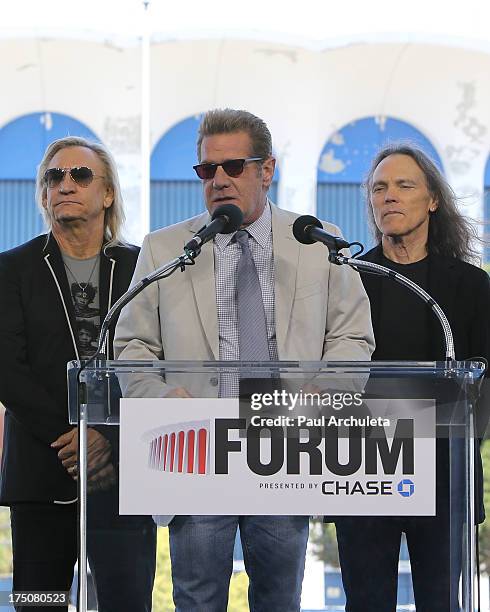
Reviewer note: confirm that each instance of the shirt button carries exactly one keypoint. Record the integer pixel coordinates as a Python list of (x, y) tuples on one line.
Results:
[(214, 381)]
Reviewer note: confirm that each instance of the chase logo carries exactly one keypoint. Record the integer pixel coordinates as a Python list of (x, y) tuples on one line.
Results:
[(406, 487)]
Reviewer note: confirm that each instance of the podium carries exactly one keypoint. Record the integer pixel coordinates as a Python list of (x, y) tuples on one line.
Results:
[(308, 438)]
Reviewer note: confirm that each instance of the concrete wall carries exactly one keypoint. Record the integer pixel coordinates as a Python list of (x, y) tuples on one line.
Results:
[(303, 95)]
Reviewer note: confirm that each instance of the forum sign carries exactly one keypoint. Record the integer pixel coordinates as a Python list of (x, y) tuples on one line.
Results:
[(205, 456)]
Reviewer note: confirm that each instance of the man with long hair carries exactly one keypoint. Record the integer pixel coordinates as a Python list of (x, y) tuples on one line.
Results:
[(422, 235), (79, 195)]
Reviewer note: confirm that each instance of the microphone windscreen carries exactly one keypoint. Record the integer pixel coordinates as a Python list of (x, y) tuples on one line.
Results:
[(232, 213), (300, 225)]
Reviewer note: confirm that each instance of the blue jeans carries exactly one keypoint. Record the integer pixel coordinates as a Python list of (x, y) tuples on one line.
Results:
[(201, 550)]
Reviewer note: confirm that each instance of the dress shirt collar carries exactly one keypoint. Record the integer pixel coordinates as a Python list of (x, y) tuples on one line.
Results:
[(260, 230)]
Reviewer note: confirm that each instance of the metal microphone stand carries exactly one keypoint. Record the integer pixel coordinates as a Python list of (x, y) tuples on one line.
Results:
[(358, 264), (187, 258)]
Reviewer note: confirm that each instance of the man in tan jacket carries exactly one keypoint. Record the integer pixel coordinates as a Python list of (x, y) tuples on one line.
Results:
[(311, 309)]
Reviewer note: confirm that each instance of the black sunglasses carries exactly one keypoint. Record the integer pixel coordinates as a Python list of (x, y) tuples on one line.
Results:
[(81, 175), (232, 167)]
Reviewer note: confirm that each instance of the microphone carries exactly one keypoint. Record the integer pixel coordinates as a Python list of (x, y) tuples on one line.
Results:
[(308, 229), (225, 219)]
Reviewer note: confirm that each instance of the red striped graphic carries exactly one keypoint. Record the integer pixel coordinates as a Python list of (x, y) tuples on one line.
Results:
[(181, 448), (181, 440), (202, 451), (159, 451), (172, 451), (191, 439), (165, 452)]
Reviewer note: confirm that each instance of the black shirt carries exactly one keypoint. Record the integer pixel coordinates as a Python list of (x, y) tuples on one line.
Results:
[(402, 312)]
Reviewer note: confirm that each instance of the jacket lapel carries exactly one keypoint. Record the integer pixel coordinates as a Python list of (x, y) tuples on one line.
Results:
[(204, 286), (57, 274), (106, 290), (374, 285), (104, 272), (286, 260)]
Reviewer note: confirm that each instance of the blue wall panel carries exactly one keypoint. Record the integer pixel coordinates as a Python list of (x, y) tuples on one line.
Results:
[(20, 219), (347, 154), (174, 201), (175, 152), (24, 140), (343, 204)]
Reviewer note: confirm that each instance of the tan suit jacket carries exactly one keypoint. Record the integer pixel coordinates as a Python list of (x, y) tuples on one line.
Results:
[(321, 310)]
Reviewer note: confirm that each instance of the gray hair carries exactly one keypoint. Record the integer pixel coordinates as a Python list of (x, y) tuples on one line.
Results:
[(450, 233), (230, 121), (114, 215)]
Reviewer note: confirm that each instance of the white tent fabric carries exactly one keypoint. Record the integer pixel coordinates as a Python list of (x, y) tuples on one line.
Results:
[(313, 24)]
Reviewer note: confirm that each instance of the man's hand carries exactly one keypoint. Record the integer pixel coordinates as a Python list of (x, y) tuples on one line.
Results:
[(102, 480), (178, 392), (98, 451)]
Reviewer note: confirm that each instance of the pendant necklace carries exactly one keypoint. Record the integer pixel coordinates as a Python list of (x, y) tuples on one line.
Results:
[(83, 286)]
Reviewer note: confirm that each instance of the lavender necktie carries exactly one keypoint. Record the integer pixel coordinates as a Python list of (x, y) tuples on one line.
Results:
[(252, 325)]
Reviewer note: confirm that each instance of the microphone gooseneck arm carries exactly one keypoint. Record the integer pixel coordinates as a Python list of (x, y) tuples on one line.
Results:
[(167, 269), (179, 263), (308, 230), (225, 219), (374, 268)]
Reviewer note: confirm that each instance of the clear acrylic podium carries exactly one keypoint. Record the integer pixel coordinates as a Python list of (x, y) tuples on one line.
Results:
[(393, 391)]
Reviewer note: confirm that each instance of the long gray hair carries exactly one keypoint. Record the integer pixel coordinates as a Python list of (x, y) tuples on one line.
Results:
[(114, 215), (450, 233)]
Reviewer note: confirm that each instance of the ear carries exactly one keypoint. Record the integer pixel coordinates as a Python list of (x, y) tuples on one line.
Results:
[(268, 171), (109, 197), (433, 206)]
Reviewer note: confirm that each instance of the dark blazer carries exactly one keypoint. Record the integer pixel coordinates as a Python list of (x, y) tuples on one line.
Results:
[(463, 292), (37, 339)]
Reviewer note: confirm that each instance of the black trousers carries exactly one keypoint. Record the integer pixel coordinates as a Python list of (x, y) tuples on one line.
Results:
[(369, 547), (369, 550), (121, 551)]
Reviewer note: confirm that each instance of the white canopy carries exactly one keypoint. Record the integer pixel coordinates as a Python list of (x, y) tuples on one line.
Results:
[(314, 24)]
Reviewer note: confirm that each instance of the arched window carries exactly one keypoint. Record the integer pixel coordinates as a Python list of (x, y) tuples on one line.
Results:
[(176, 192), (22, 145), (343, 164)]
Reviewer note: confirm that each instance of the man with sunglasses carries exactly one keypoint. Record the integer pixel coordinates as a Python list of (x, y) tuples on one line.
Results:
[(302, 309), (47, 285)]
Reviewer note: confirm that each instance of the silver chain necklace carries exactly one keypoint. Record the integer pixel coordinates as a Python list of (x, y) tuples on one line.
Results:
[(83, 286)]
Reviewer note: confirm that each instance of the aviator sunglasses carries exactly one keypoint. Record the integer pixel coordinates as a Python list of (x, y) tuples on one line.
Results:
[(81, 175), (232, 167)]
